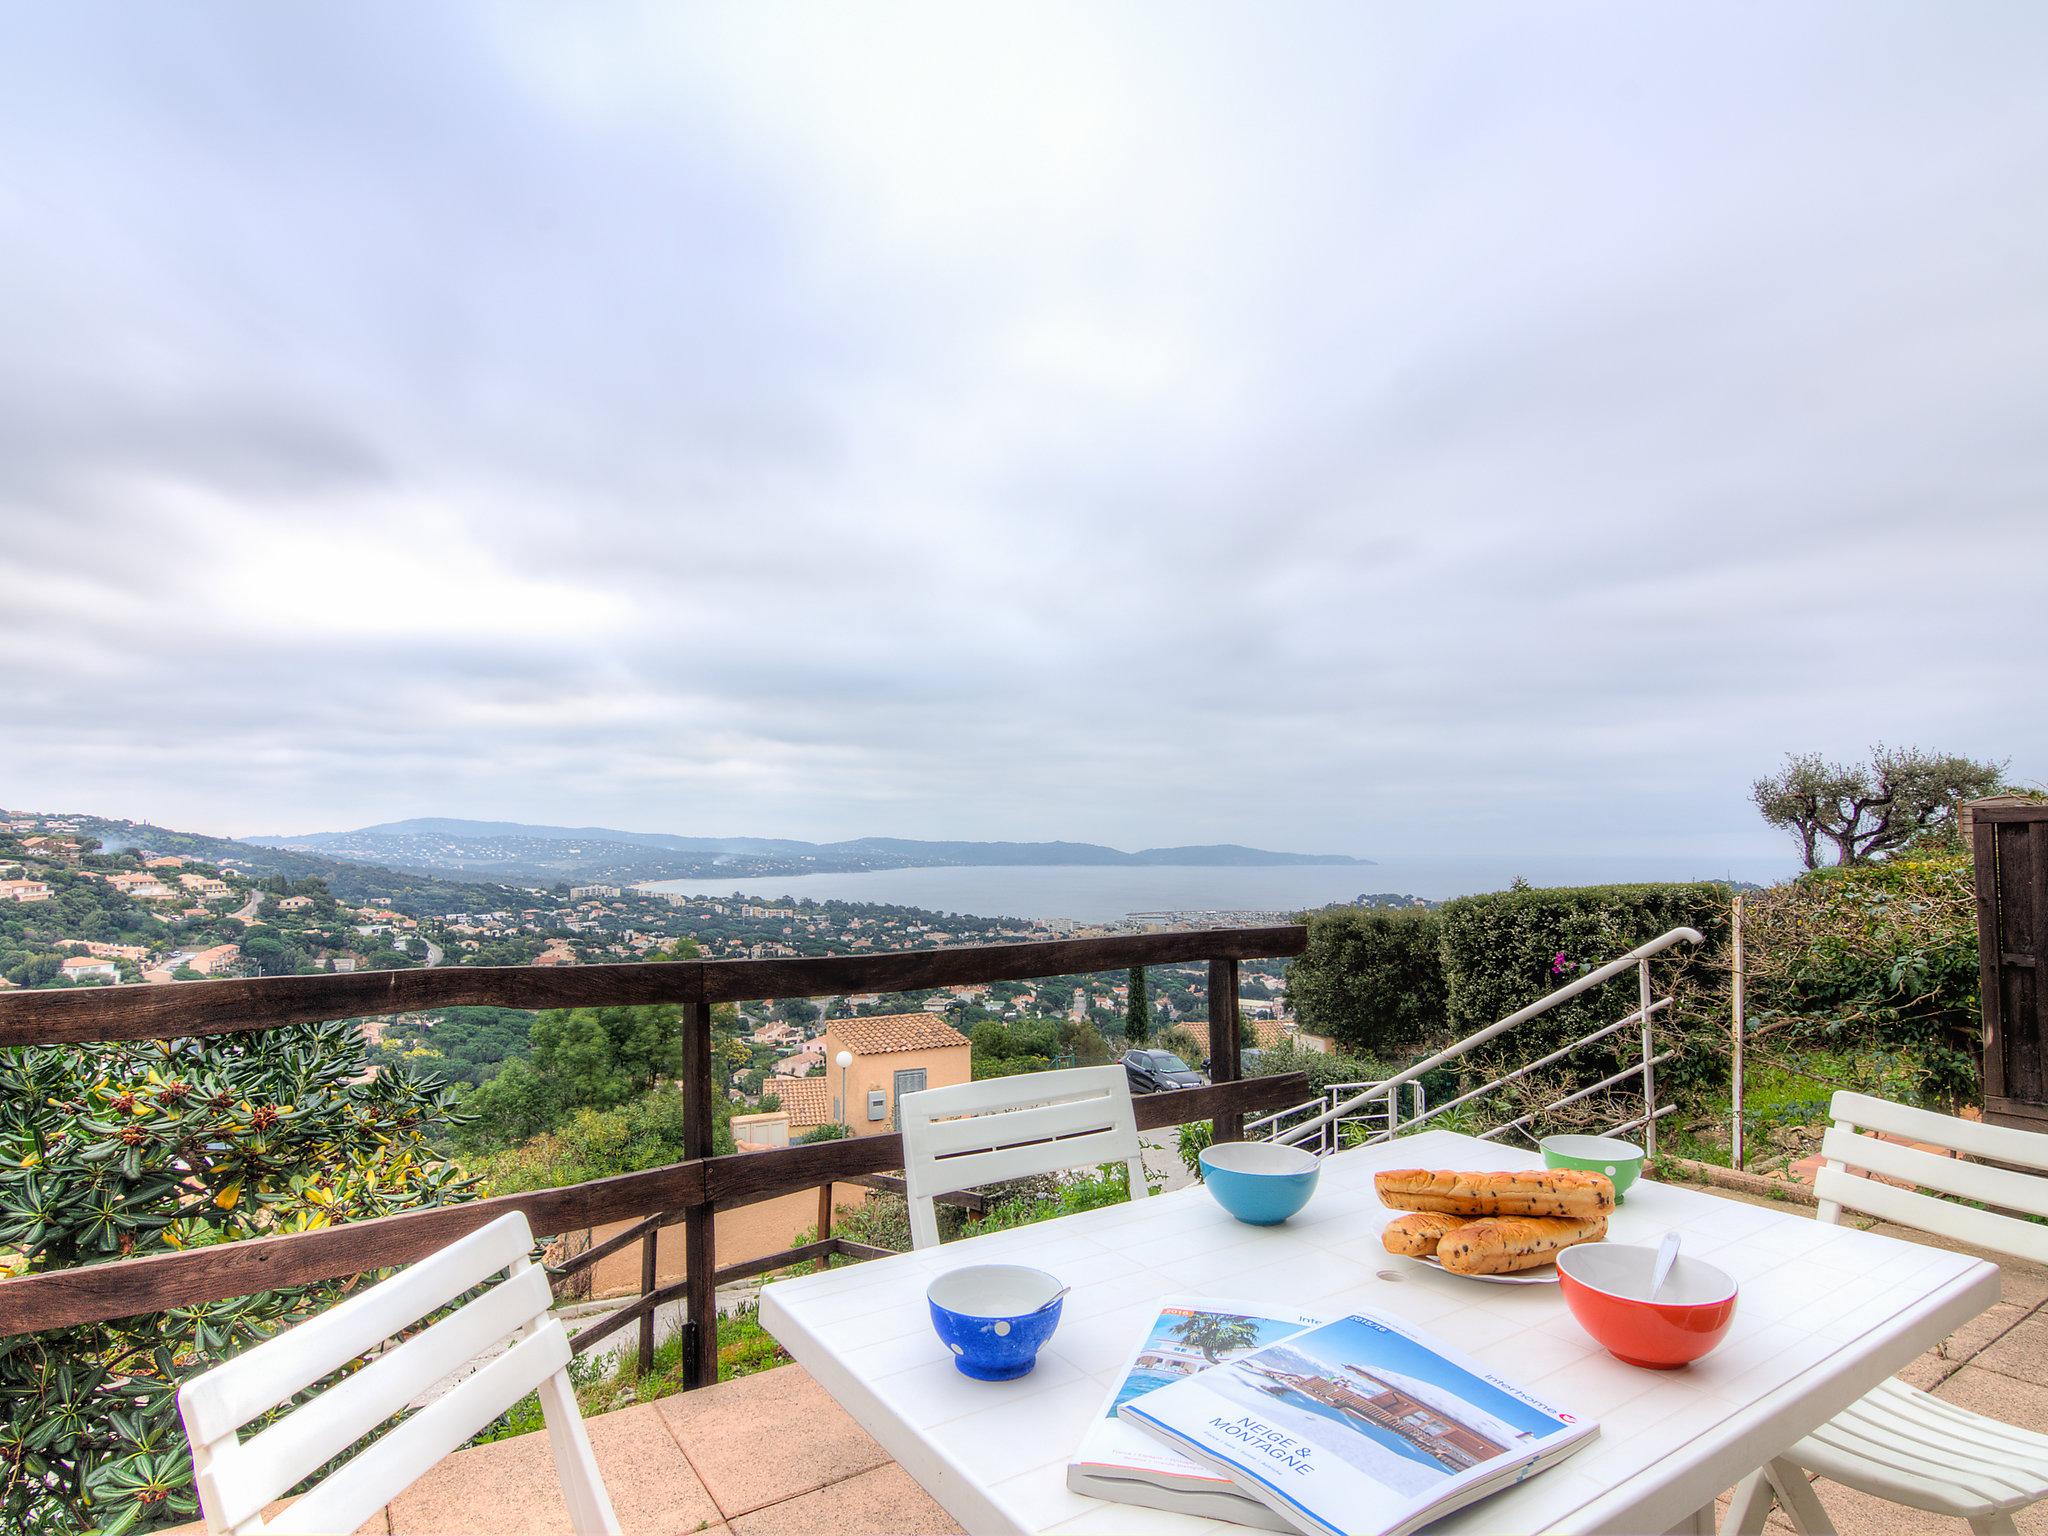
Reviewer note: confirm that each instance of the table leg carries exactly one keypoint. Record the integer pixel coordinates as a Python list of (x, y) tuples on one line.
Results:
[(1699, 1523)]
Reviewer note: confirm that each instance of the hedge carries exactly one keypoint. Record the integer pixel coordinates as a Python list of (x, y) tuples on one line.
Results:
[(1372, 979)]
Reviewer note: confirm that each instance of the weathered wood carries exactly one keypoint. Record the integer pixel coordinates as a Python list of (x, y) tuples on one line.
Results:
[(189, 1008), (90, 1293), (727, 981), (801, 1254), (2010, 845), (891, 1184), (1224, 1053), (649, 1283), (853, 1250), (603, 1250), (700, 1258), (185, 1009)]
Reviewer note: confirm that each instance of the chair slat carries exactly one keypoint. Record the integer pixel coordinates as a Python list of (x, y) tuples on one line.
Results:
[(231, 1394), (965, 1170), (1994, 1143), (2001, 1187), (362, 1486), (1041, 1122), (309, 1438), (1887, 1202)]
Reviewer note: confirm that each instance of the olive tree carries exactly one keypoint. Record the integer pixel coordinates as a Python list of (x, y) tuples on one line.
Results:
[(1868, 810)]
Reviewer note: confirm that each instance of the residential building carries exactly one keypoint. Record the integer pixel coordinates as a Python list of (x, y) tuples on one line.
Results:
[(205, 887), (294, 903), (211, 962), (892, 1054), (89, 968), (24, 890)]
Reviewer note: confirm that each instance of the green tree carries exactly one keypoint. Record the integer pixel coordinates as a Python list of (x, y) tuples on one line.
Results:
[(1868, 810), (1372, 980), (1216, 1334), (580, 1058), (1138, 1010)]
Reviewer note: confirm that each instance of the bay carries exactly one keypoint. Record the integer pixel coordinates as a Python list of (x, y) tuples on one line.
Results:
[(1089, 893)]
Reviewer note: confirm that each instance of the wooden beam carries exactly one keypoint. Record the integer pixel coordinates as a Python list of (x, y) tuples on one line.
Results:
[(700, 1258), (90, 1293), (184, 1009), (727, 981), (1224, 1056)]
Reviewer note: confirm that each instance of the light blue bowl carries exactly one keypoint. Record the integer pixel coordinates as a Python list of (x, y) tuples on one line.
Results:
[(994, 1317), (1259, 1182)]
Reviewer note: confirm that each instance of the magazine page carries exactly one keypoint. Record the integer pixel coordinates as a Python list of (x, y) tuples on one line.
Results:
[(1359, 1426), (1189, 1335)]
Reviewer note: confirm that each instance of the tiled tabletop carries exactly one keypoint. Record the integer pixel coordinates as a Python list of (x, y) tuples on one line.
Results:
[(1826, 1312)]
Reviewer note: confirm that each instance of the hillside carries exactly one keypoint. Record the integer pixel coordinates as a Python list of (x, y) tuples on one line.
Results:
[(444, 846)]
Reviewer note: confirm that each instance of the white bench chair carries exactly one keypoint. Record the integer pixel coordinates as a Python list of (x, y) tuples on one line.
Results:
[(1012, 1128), (237, 1478), (1897, 1442)]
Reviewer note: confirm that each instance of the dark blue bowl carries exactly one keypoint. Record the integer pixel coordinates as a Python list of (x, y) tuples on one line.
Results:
[(994, 1317), (1259, 1182)]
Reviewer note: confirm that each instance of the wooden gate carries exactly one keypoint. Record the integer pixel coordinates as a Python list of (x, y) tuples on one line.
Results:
[(2011, 846)]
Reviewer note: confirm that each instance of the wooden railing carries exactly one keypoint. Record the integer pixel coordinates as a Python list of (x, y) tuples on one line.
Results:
[(690, 1192)]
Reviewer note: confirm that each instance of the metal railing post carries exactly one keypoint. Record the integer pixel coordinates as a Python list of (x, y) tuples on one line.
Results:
[(1649, 1066)]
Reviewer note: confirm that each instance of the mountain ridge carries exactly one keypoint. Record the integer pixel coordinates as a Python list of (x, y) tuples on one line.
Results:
[(443, 845)]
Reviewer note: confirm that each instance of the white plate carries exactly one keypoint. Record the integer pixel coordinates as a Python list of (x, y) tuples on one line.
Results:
[(1547, 1275)]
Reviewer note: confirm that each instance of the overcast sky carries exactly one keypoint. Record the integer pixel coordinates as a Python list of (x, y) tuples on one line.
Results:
[(1351, 428)]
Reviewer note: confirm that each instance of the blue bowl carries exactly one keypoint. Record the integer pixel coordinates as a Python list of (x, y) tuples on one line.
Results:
[(1259, 1182), (994, 1317)]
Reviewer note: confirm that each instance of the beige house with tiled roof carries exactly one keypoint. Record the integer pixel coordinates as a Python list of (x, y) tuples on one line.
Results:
[(893, 1054), (806, 1100)]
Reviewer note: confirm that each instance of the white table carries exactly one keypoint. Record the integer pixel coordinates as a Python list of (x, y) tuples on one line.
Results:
[(1826, 1312)]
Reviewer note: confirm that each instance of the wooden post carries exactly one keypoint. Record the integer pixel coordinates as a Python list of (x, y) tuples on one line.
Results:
[(1736, 1026), (648, 1281), (700, 1303), (825, 1219), (1224, 1062)]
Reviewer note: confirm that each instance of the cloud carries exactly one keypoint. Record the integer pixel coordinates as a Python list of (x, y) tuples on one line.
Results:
[(1364, 430)]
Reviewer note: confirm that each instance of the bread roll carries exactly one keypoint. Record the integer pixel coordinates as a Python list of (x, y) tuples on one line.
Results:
[(1501, 1245), (1415, 1235), (1547, 1192)]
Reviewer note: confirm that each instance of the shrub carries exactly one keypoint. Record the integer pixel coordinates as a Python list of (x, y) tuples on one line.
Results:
[(143, 1147), (1372, 979)]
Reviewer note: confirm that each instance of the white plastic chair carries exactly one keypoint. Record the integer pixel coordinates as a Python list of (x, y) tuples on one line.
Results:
[(237, 1478), (1011, 1128), (1897, 1442)]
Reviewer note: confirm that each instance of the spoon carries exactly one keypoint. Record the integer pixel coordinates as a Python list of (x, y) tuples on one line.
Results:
[(1667, 1255)]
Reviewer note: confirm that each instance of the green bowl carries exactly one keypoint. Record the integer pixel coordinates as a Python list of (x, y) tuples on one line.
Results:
[(1621, 1161)]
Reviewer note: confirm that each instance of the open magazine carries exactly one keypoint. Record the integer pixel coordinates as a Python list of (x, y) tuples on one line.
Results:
[(1122, 1461), (1359, 1427)]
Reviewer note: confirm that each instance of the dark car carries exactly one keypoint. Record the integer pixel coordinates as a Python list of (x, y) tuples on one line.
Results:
[(1158, 1071)]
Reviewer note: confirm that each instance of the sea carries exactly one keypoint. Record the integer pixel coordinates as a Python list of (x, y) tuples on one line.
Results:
[(1094, 893)]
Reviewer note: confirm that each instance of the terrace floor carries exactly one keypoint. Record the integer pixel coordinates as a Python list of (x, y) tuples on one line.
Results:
[(773, 1455)]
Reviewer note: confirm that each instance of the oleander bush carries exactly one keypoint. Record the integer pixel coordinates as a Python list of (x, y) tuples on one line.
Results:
[(146, 1147)]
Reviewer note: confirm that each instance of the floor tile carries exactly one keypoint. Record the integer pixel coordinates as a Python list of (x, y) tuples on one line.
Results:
[(2023, 1403), (882, 1502), (2021, 1352), (508, 1488), (768, 1437)]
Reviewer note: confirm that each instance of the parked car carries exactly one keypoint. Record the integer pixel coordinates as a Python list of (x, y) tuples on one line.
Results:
[(1158, 1071)]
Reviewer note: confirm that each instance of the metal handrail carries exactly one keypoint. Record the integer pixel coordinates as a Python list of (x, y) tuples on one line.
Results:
[(1639, 957)]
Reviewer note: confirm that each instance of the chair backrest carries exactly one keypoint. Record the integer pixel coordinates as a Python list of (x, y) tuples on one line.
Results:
[(236, 1478), (1010, 1128), (2006, 1187)]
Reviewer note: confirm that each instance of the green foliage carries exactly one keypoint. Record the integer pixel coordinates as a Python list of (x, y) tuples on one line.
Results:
[(582, 1058), (831, 1130), (1033, 1045), (1071, 1193), (1877, 960), (1372, 980), (646, 1132), (1505, 950), (1191, 1139), (1324, 1068), (124, 1149)]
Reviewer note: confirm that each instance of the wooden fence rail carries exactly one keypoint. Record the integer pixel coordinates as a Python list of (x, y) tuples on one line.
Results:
[(691, 1191)]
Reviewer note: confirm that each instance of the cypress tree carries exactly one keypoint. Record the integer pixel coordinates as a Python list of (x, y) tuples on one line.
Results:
[(1138, 1014)]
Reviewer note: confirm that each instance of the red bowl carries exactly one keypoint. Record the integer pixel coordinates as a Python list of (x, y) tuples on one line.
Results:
[(1604, 1284)]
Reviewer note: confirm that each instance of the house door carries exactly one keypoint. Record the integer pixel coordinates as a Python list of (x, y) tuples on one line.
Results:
[(910, 1081)]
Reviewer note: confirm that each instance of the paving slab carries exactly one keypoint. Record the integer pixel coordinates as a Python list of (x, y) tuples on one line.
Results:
[(767, 1438), (884, 1502)]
